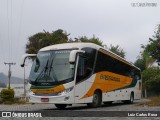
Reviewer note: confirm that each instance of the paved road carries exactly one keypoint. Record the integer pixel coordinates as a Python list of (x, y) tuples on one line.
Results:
[(117, 106)]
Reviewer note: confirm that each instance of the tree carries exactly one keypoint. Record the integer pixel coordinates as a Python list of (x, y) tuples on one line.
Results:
[(44, 39), (153, 48), (144, 62), (117, 50), (151, 79), (90, 40), (148, 60), (140, 63), (151, 53)]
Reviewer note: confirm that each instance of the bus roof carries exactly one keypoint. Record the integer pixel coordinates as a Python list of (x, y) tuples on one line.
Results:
[(70, 46), (81, 45)]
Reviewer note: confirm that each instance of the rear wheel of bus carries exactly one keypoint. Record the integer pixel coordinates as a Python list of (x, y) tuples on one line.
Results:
[(131, 98), (97, 99), (61, 106), (130, 101)]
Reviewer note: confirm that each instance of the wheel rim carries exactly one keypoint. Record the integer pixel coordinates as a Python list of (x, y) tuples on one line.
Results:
[(131, 98), (95, 98)]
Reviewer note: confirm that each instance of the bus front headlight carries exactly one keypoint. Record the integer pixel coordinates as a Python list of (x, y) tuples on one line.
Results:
[(65, 91)]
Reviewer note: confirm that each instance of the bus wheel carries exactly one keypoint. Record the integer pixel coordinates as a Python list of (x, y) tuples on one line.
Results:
[(61, 106), (131, 98), (97, 100), (130, 101)]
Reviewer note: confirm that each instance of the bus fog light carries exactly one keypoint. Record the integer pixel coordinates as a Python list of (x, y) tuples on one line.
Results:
[(66, 98)]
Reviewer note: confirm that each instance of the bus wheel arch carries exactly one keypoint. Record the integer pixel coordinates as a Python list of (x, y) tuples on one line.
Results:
[(97, 99)]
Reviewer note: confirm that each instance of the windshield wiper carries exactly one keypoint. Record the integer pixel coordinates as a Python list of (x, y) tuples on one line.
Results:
[(41, 75), (45, 73), (51, 69)]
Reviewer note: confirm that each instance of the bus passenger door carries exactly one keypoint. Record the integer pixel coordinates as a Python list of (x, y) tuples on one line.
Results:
[(80, 84)]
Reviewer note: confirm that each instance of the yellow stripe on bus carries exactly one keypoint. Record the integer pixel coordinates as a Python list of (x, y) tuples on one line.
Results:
[(49, 90), (107, 81)]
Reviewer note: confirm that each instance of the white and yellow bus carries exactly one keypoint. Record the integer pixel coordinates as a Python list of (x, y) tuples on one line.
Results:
[(69, 73)]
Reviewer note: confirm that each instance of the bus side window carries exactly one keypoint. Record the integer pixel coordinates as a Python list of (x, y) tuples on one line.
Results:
[(137, 74)]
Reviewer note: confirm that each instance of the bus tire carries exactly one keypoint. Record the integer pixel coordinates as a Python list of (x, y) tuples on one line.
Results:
[(97, 100), (61, 106), (130, 101), (131, 98)]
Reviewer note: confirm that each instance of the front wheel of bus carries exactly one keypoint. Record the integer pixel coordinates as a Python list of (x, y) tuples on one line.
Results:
[(97, 100), (61, 106)]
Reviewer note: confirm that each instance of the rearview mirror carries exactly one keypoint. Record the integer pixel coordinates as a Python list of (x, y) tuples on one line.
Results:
[(24, 58), (73, 54)]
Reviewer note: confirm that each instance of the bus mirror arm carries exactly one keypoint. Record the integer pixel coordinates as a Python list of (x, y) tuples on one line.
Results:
[(73, 54), (24, 58)]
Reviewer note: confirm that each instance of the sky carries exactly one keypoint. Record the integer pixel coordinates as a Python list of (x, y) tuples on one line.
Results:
[(127, 23)]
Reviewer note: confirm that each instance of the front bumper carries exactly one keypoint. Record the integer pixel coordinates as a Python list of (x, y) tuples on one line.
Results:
[(61, 99)]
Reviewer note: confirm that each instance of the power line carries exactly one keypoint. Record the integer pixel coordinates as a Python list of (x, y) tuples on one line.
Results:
[(10, 27), (20, 22), (8, 30), (9, 71), (11, 34)]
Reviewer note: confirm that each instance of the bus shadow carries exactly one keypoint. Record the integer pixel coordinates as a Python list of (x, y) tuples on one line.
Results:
[(85, 107)]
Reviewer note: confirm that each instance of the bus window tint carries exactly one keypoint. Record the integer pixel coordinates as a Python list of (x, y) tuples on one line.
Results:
[(37, 64), (86, 63), (107, 63), (81, 72), (137, 74)]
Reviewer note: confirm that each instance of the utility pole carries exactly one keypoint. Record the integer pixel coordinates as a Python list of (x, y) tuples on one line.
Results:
[(9, 71), (24, 83)]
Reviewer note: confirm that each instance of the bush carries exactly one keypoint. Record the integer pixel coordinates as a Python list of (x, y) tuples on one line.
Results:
[(1, 100), (7, 95), (151, 80)]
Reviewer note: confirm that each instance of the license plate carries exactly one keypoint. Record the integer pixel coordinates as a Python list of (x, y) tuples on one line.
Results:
[(44, 99)]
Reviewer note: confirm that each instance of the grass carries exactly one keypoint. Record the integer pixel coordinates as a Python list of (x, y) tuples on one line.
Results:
[(153, 101)]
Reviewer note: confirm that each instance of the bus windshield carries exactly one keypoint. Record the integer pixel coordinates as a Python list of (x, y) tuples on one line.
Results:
[(52, 66)]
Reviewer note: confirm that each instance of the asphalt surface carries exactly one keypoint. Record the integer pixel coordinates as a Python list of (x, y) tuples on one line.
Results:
[(117, 110)]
